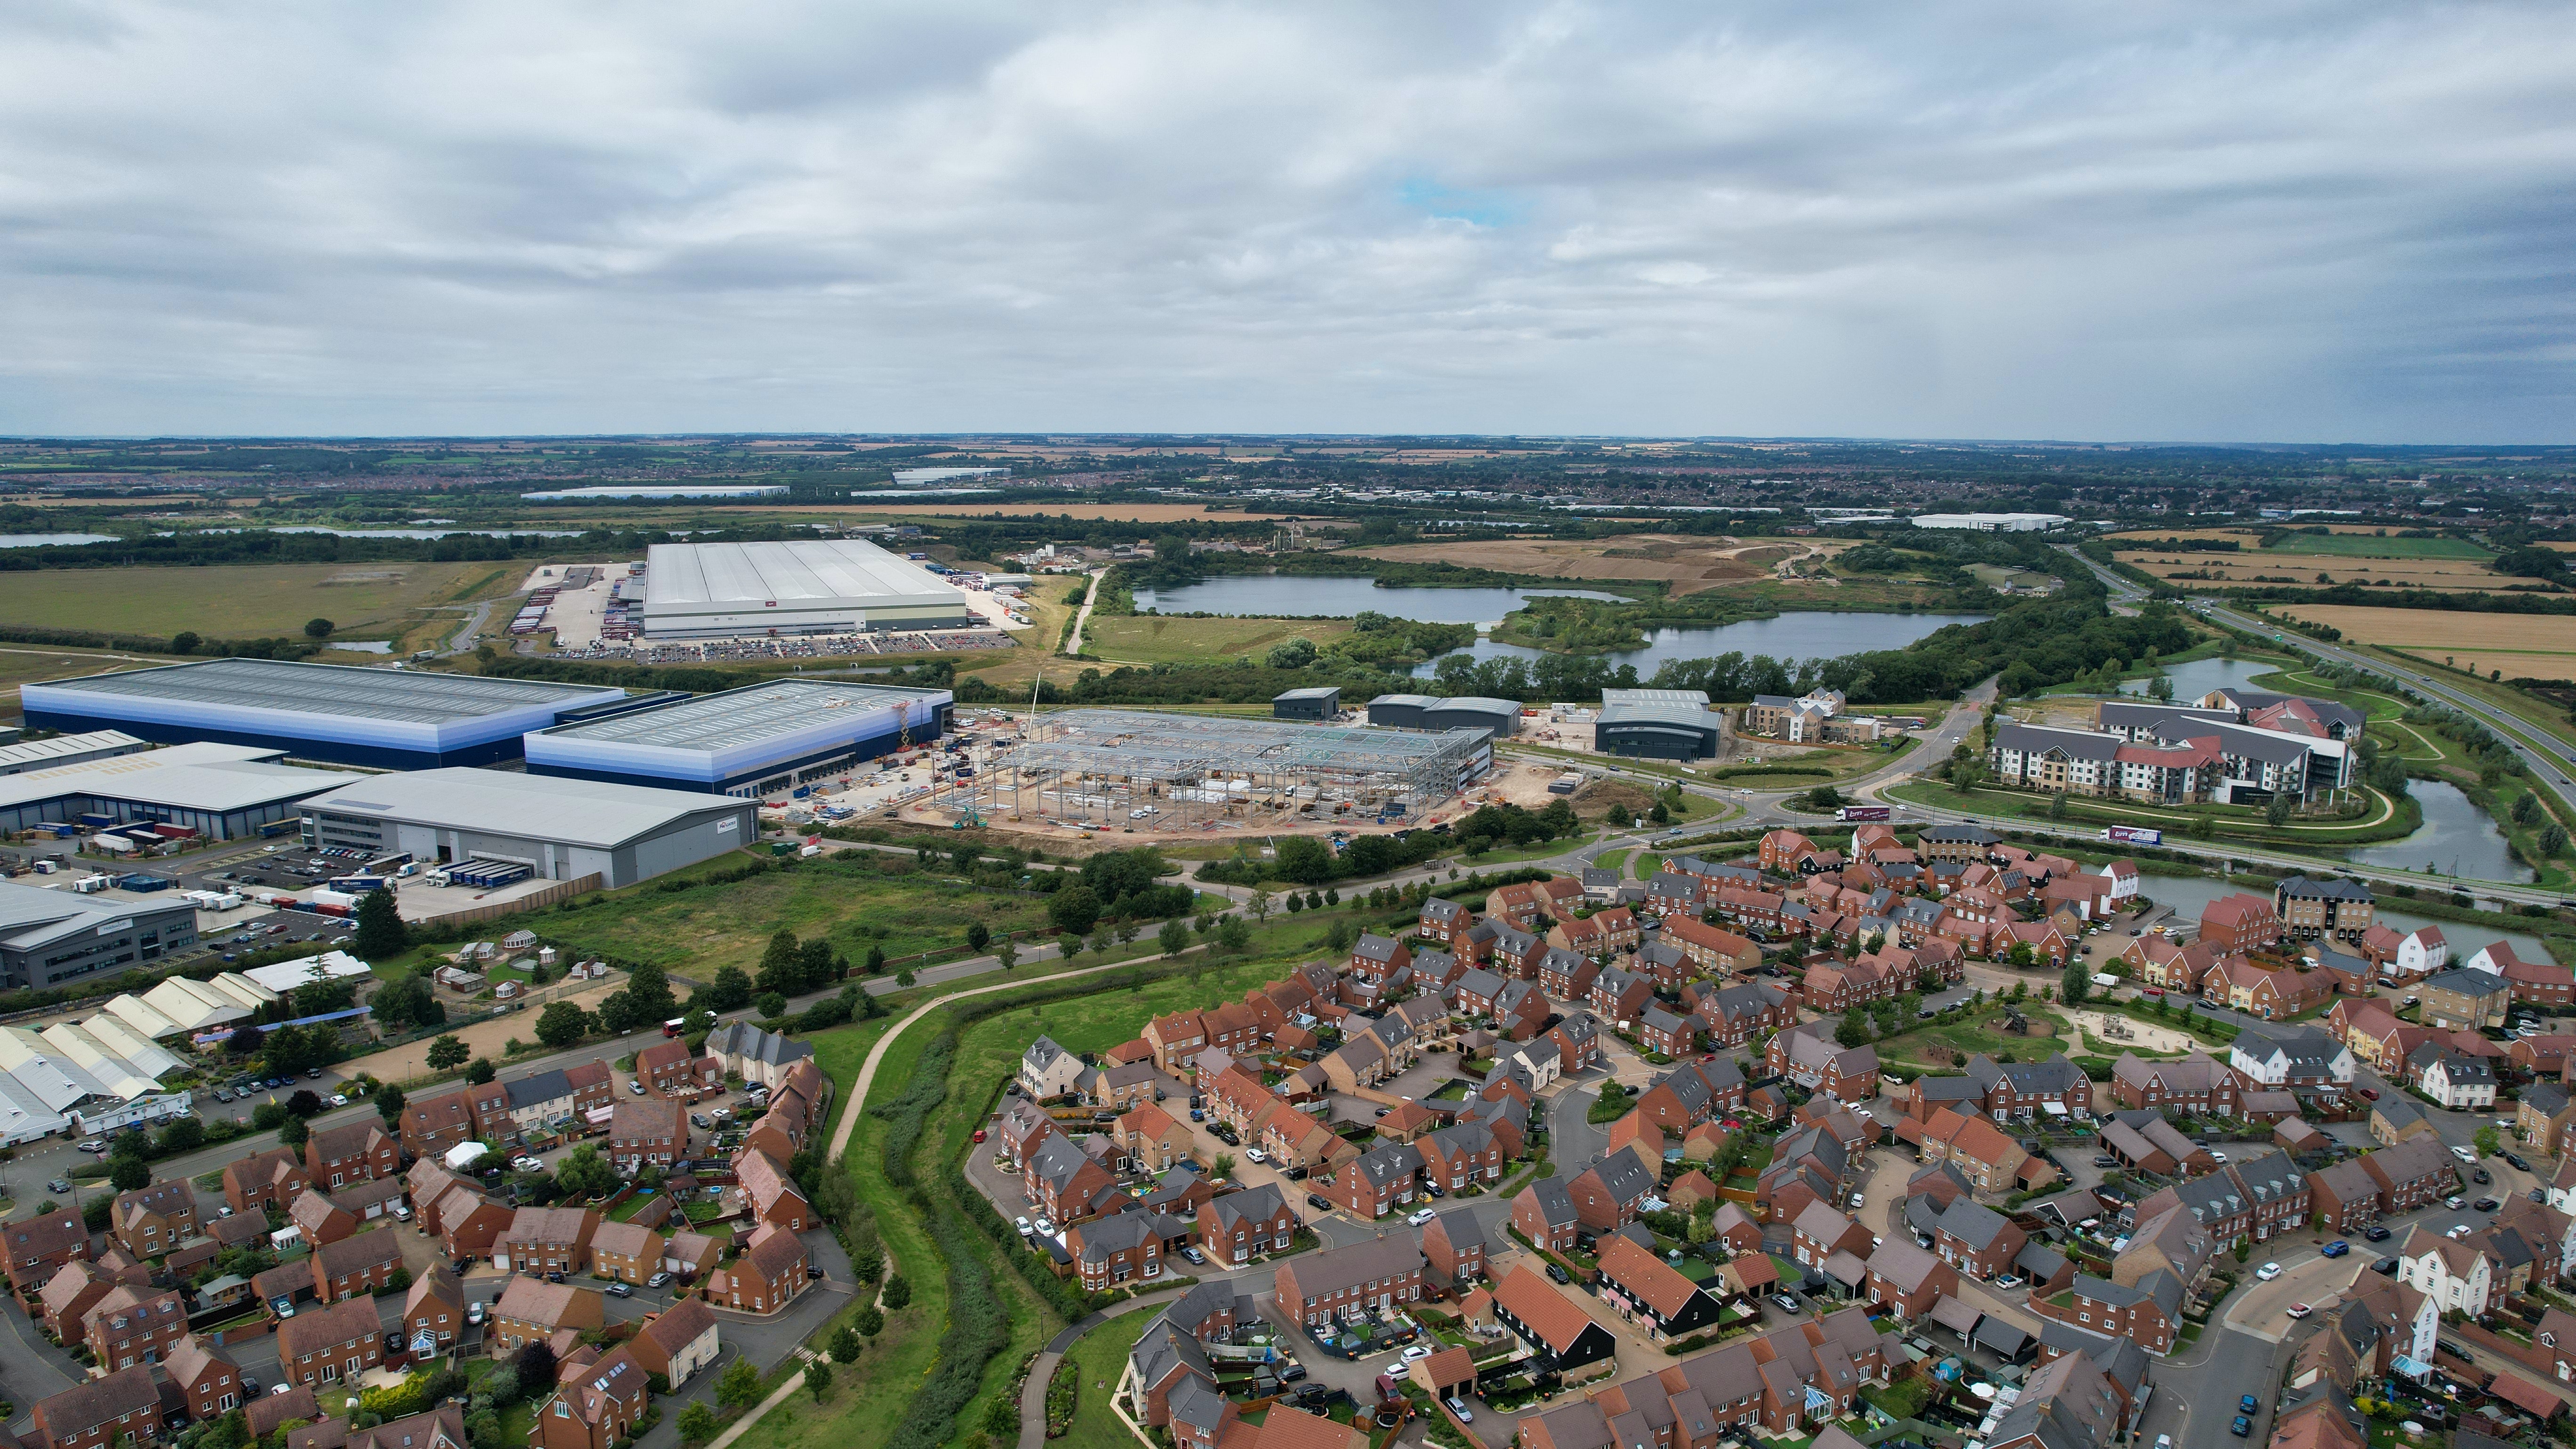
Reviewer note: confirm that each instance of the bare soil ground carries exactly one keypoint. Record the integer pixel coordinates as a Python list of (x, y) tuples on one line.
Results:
[(485, 1036), (2448, 574), (1686, 565)]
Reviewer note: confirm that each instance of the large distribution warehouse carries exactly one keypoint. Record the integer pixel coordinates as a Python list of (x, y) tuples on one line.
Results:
[(557, 829), (745, 741), (814, 586), (390, 718), (220, 791), (1656, 724)]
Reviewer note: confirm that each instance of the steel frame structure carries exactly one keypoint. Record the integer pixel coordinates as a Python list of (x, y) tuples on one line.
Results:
[(1109, 768)]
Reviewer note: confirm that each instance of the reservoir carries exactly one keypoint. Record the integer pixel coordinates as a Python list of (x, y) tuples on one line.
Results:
[(2457, 839), (2200, 676), (1787, 636)]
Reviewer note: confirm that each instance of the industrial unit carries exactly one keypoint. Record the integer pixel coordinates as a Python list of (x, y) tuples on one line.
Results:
[(220, 791), (389, 718), (51, 936), (1498, 718), (1319, 702), (813, 586), (1116, 768), (745, 741), (18, 759), (1656, 724), (555, 828)]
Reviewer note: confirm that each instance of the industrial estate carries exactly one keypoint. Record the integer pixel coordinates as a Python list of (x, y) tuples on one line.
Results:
[(1202, 945)]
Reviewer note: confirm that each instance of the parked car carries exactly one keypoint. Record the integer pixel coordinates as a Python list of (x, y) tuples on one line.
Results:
[(634, 1086), (94, 1144), (2481, 1177), (2105, 1159), (1556, 1273), (1193, 1254), (58, 1185), (2335, 1249), (2514, 1161), (2301, 1310), (1416, 1352), (2485, 1204), (1319, 1202), (619, 1290), (1458, 1406), (1420, 1217), (657, 1280), (2375, 1233), (1785, 1303), (1255, 1154), (2248, 1404), (2242, 1427), (2268, 1272), (2385, 1267)]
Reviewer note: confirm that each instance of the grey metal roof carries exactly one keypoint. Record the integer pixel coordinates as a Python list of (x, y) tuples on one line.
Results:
[(335, 689), (203, 775), (539, 807), (1315, 691), (746, 716), (804, 571)]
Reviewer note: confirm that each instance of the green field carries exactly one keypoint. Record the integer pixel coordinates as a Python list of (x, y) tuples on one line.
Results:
[(694, 930), (36, 663), (366, 601), (2363, 545), (1143, 639), (1095, 1363)]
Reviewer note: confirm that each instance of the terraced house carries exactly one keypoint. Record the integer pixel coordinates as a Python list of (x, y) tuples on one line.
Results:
[(1778, 1381), (1647, 1291), (1316, 1288), (324, 1346), (2252, 1200)]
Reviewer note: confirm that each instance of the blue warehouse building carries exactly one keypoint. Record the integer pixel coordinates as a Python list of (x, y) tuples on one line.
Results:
[(745, 742), (386, 718)]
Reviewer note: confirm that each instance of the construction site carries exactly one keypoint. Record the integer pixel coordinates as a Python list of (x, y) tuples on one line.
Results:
[(1091, 770)]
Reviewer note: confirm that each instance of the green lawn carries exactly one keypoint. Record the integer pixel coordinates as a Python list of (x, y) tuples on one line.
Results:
[(1144, 639), (1095, 1364), (1977, 1032), (2363, 545)]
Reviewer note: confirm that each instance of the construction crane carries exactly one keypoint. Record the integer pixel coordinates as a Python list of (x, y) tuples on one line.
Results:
[(902, 725)]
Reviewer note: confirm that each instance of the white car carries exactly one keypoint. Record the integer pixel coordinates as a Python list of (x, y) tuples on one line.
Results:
[(1255, 1154), (1458, 1406), (1023, 1225), (339, 1099), (2268, 1272), (1046, 1226), (1419, 1218), (1417, 1351), (2464, 1154), (527, 1164)]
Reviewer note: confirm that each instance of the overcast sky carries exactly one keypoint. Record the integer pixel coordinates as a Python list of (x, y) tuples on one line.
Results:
[(2245, 221)]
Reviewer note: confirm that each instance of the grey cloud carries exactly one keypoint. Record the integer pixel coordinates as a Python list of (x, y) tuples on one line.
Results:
[(2286, 221)]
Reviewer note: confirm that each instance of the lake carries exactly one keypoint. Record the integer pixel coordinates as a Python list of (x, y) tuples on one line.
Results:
[(2188, 893), (1788, 636), (2457, 839), (48, 540), (1300, 596), (2200, 676)]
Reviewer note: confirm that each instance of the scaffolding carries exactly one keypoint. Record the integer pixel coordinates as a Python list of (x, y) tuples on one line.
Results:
[(1096, 769)]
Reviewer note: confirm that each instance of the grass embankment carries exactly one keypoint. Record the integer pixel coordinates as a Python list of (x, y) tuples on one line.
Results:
[(902, 1363), (1095, 1364), (233, 601)]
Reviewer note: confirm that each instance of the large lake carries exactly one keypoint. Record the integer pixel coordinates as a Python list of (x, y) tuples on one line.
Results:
[(1297, 596), (1789, 636), (2188, 893)]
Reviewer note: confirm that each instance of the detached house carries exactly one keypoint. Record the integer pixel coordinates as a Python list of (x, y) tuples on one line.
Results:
[(1241, 1226), (335, 1157)]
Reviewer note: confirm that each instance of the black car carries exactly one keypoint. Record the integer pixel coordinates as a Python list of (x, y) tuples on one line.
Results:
[(2514, 1161), (2386, 1267), (2375, 1233), (1557, 1273), (2481, 1177), (2485, 1204), (1319, 1202)]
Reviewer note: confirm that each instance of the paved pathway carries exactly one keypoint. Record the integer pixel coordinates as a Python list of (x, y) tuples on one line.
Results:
[(1033, 1393), (784, 1392), (1090, 596)]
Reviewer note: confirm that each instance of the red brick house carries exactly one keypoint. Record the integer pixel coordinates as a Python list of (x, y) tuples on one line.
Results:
[(1809, 1056), (775, 1198), (125, 1404), (1606, 1194), (361, 1151), (325, 1345), (356, 1266), (547, 1240), (1544, 1213), (2239, 922), (320, 1219), (1442, 922), (263, 1180), (1120, 1248), (1453, 1247), (431, 1125), (594, 1407), (1714, 950), (133, 1325), (1908, 1279), (1461, 1157), (764, 1279), (150, 1221), (667, 1070), (647, 1132), (206, 1378), (1315, 1288), (40, 1246)]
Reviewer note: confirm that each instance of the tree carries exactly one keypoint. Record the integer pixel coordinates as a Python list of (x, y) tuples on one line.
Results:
[(729, 991), (1074, 908), (2277, 813), (183, 1134), (129, 1173), (536, 1365), (2078, 983), (318, 629), (650, 985), (1297, 902), (185, 642), (407, 1001), (1259, 905), (245, 1039), (2489, 1141), (583, 1172), (561, 1024), (1305, 860), (779, 970), (619, 1014), (869, 1320), (846, 1343), (814, 968), (305, 1103), (2162, 687), (697, 1422), (447, 1053), (1174, 938), (770, 1005), (2553, 840), (381, 933), (1223, 1166), (740, 1386), (96, 1211), (2526, 809), (294, 1132), (818, 1378), (2057, 806), (1009, 954), (389, 1104), (876, 961), (978, 936), (1341, 937), (1854, 1030), (1233, 934), (897, 1293)]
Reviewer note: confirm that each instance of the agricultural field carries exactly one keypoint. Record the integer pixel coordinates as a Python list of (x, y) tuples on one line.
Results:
[(1684, 565), (1145, 639), (36, 663), (244, 601), (2539, 645), (2303, 567), (2352, 542)]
